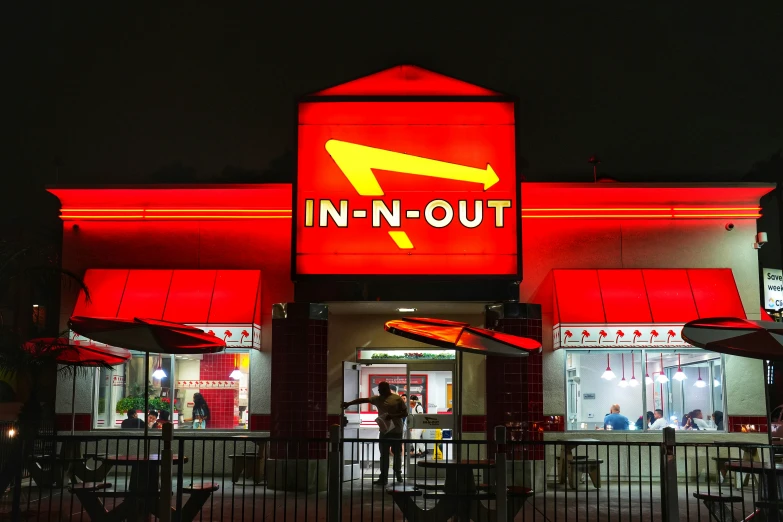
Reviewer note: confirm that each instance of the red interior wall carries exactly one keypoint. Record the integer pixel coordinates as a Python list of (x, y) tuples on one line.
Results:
[(223, 404)]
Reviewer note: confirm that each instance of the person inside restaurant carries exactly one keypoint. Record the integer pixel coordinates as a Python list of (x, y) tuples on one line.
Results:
[(659, 421), (614, 420), (152, 418), (133, 421)]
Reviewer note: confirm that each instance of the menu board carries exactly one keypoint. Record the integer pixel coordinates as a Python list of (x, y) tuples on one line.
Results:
[(418, 386)]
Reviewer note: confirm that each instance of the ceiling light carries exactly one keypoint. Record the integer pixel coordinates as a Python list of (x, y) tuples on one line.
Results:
[(647, 378), (662, 376), (680, 375), (700, 383), (608, 374), (236, 374), (159, 373), (623, 383), (633, 383), (406, 310), (716, 383)]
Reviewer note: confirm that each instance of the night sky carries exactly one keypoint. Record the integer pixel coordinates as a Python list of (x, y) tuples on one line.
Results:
[(662, 92)]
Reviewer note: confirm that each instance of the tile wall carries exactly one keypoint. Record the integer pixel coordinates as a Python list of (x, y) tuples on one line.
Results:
[(299, 380), (223, 404), (515, 393)]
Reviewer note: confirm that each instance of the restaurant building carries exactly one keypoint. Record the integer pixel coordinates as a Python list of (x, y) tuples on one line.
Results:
[(407, 202)]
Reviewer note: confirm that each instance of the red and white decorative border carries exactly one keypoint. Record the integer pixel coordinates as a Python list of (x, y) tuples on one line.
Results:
[(236, 336), (609, 336)]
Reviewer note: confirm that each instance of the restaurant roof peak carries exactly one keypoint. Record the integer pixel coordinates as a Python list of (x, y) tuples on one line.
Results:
[(406, 80)]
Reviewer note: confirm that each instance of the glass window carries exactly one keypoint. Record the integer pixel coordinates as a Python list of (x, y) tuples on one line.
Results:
[(209, 391), (644, 389)]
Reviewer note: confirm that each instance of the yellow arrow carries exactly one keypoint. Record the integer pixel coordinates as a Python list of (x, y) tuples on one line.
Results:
[(357, 162)]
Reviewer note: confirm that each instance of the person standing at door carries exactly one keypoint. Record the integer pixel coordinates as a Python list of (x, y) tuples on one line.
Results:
[(392, 412), (417, 449)]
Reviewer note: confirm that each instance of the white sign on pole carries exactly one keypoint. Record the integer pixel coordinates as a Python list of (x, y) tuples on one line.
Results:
[(773, 288)]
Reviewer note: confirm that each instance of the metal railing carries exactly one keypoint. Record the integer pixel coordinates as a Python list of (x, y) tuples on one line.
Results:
[(243, 478)]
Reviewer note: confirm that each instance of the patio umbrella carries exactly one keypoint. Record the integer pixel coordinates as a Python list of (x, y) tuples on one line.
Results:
[(149, 336), (75, 354), (741, 337), (454, 335), (462, 337)]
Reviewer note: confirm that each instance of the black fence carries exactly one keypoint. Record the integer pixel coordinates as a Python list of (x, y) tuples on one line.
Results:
[(243, 478)]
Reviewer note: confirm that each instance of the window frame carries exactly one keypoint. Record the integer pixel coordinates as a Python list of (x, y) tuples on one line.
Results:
[(645, 351), (229, 350)]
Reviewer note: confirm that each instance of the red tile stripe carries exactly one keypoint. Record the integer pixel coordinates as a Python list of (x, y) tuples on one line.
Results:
[(737, 421)]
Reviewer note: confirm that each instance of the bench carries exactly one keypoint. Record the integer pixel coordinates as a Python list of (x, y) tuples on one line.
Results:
[(199, 494), (592, 467), (249, 464), (89, 486), (719, 506)]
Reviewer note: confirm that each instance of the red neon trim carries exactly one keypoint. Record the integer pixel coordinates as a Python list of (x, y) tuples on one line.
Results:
[(631, 216), (213, 210), (134, 216), (102, 217), (636, 208)]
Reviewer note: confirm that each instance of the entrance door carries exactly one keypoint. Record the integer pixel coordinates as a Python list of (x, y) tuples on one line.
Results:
[(351, 446), (449, 396)]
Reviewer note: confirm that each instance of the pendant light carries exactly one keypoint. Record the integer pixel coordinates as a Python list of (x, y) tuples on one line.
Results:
[(680, 375), (159, 373), (647, 378), (236, 373), (662, 376), (623, 383), (715, 383), (699, 383), (633, 383), (608, 374)]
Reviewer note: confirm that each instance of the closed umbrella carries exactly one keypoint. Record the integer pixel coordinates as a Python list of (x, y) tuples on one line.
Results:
[(149, 336), (73, 353), (741, 337)]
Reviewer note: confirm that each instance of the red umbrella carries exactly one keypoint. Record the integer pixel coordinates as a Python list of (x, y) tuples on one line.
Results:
[(741, 337), (462, 337), (70, 353), (730, 335), (149, 336)]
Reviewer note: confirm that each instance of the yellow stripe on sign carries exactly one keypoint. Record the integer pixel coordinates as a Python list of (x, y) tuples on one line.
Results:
[(401, 238)]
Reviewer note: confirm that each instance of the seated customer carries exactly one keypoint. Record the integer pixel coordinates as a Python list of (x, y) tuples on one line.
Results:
[(698, 420), (152, 418), (640, 421), (660, 422), (615, 421), (718, 418), (133, 421)]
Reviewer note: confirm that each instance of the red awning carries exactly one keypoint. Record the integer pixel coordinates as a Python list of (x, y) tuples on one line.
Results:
[(643, 296), (225, 302), (635, 307)]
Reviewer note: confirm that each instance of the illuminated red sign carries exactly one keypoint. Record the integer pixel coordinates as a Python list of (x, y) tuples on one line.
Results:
[(418, 186)]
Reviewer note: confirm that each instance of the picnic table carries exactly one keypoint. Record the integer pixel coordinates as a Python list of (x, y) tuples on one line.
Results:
[(567, 458), (770, 491), (461, 497), (142, 495)]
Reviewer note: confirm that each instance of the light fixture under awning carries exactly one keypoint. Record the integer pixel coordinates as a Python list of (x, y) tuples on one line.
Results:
[(454, 335), (223, 303)]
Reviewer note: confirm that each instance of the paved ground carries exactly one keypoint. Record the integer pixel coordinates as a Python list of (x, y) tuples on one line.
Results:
[(361, 501)]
